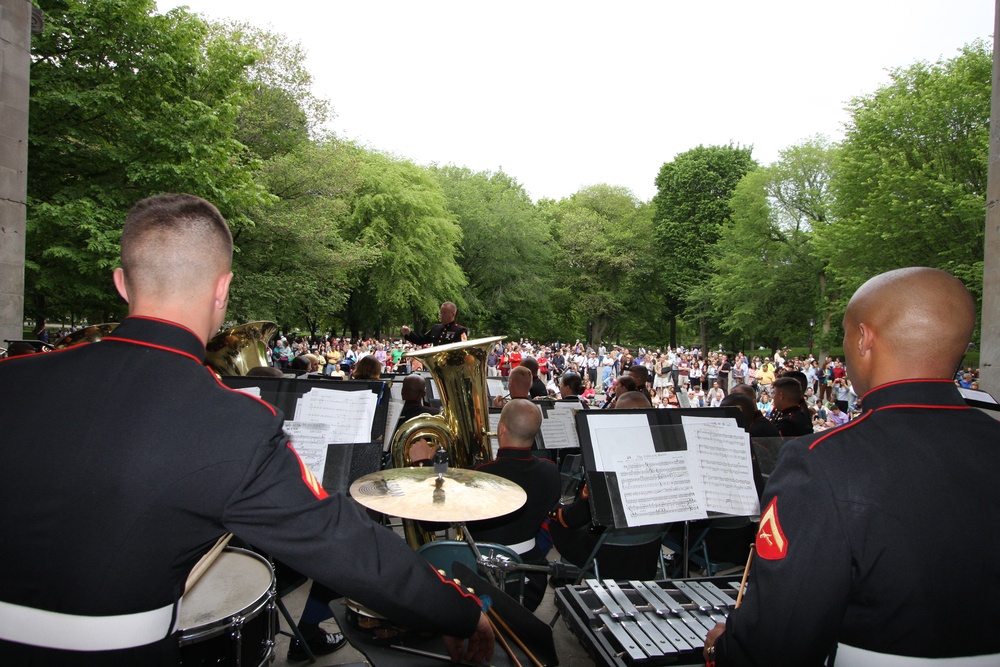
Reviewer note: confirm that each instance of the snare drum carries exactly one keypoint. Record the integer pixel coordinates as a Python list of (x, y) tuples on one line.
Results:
[(228, 617)]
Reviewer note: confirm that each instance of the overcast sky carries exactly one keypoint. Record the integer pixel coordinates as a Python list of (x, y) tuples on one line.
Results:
[(562, 95)]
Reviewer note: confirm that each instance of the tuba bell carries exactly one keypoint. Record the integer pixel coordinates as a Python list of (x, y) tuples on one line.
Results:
[(236, 350), (91, 334), (462, 427)]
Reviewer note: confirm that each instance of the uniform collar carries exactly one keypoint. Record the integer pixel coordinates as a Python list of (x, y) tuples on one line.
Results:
[(160, 333), (513, 453), (930, 392)]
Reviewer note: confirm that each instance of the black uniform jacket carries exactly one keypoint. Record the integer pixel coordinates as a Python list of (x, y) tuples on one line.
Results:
[(873, 534), (112, 490), (439, 334), (793, 422), (540, 480)]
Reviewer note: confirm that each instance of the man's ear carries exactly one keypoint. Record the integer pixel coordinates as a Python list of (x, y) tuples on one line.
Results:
[(866, 339), (118, 275), (222, 290)]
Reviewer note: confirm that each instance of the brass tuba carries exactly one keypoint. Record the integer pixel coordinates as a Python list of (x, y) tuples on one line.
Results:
[(91, 334), (236, 350), (462, 427)]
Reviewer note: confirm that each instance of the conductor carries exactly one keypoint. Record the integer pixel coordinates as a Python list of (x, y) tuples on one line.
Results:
[(107, 504), (862, 523), (447, 331)]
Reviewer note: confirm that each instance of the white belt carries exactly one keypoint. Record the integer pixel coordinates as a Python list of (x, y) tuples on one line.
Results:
[(70, 632), (852, 656), (522, 547)]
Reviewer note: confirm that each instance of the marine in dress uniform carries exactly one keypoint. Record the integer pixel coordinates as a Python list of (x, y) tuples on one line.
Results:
[(444, 332), (540, 480), (790, 415), (874, 535), (109, 498)]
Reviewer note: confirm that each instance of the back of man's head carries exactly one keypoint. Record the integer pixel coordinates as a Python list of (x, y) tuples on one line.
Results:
[(787, 392), (520, 421), (746, 390), (531, 364), (799, 377), (414, 388), (572, 384), (173, 245), (519, 382), (640, 373), (746, 405), (632, 399)]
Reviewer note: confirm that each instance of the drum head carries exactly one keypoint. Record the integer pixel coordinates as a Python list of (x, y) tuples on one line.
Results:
[(234, 582)]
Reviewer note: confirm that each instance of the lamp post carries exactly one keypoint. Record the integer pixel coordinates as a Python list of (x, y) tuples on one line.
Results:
[(812, 323)]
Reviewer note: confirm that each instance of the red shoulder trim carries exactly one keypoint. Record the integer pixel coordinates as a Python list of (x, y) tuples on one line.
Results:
[(267, 405), (907, 381), (154, 346), (923, 407), (307, 477)]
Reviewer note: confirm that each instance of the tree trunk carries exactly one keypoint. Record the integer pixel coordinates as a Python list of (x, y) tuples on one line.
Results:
[(703, 330)]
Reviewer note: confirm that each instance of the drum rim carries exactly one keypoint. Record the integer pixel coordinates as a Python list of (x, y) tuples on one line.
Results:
[(217, 627)]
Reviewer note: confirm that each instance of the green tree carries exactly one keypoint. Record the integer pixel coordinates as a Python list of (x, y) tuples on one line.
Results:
[(690, 209), (294, 264), (505, 252), (124, 103), (911, 179), (400, 210), (597, 231), (280, 112), (768, 282)]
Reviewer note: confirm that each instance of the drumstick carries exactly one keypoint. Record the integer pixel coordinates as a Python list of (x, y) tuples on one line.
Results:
[(503, 642), (746, 573), (516, 639), (427, 654), (206, 561)]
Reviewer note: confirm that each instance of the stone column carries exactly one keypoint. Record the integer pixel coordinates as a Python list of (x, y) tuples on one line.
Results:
[(15, 65)]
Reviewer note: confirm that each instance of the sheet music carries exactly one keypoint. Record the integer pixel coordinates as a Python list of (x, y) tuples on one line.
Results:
[(251, 391), (614, 434), (397, 389), (395, 409), (495, 387), (658, 488), (494, 427), (309, 440), (348, 415), (559, 426), (720, 453)]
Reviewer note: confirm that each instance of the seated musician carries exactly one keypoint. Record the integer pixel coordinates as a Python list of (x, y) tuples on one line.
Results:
[(574, 535), (520, 422), (148, 465), (855, 554)]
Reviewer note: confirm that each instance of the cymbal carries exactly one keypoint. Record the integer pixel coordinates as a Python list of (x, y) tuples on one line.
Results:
[(465, 495)]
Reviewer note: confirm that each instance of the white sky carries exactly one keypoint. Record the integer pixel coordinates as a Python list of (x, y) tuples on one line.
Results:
[(562, 95)]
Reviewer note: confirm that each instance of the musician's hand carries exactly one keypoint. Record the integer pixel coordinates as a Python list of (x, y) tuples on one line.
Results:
[(499, 401), (465, 337), (405, 331), (480, 643), (421, 450), (713, 636)]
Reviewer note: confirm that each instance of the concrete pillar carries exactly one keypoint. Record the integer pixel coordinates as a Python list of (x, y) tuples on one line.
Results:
[(989, 360), (15, 65)]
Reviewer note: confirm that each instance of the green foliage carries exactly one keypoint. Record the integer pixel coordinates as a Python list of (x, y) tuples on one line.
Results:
[(505, 252), (600, 233), (400, 210), (294, 265), (766, 285), (690, 209), (911, 179), (124, 104)]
